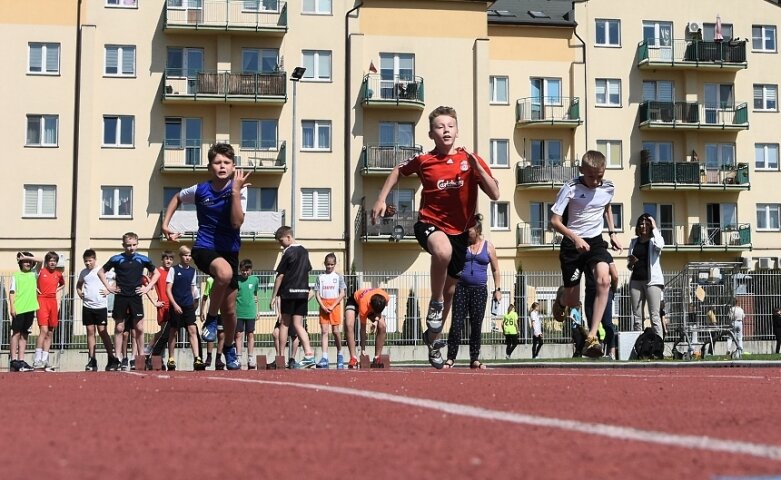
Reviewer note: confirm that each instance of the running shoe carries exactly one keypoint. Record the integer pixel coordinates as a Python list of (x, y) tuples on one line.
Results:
[(198, 365), (113, 365), (92, 365), (251, 365), (219, 364), (148, 363), (592, 348), (208, 360), (434, 355), (38, 365), (308, 362), (171, 365), (209, 333), (48, 368), (558, 310), (231, 359), (353, 363), (377, 363), (132, 362), (323, 363), (339, 361), (125, 365), (24, 366), (291, 363), (434, 315), (14, 366)]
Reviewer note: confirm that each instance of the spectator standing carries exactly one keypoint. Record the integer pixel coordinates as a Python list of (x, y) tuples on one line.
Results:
[(736, 316), (647, 281), (510, 330), (536, 324), (777, 328)]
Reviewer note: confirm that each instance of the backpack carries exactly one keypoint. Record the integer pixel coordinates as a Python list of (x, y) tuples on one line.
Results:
[(649, 346)]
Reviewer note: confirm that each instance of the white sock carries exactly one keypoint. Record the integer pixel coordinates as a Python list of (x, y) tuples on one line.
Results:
[(38, 354), (45, 357)]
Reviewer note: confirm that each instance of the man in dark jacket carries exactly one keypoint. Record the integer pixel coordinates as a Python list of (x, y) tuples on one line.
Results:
[(777, 328)]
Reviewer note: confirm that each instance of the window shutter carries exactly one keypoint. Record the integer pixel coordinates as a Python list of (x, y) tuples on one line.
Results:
[(324, 65), (665, 91), (36, 52), (307, 204), (323, 204), (112, 55), (31, 200), (48, 200), (52, 57), (128, 60)]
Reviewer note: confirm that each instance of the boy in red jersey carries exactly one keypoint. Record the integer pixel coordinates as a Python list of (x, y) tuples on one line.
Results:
[(450, 178), (160, 340), (50, 286)]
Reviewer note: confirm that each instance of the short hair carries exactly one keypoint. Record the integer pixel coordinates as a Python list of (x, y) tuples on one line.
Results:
[(21, 254), (593, 159), (377, 303), (51, 255), (332, 256), (478, 224), (166, 254), (283, 231), (129, 236), (89, 253), (535, 305), (184, 250), (441, 110), (245, 264), (225, 149)]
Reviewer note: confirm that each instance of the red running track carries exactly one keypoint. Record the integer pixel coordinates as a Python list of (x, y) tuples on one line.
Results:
[(694, 423)]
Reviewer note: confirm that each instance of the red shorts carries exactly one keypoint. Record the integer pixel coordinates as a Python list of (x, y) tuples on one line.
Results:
[(48, 312), (163, 314), (335, 317)]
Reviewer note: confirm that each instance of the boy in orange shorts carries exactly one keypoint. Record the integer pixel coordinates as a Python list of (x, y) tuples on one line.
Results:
[(50, 286), (369, 304), (330, 290)]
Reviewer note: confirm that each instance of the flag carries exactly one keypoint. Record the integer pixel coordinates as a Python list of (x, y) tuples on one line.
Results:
[(717, 33), (372, 68)]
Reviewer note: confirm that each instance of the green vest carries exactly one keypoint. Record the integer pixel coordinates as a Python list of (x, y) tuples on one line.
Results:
[(26, 292), (510, 323)]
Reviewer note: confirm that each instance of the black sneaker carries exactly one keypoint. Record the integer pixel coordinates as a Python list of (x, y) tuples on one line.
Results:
[(92, 365), (434, 355), (113, 365), (219, 364), (171, 365), (124, 365), (24, 366), (13, 366), (208, 361), (132, 364), (148, 363)]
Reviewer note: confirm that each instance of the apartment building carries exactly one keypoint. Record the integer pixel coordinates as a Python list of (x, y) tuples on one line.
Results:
[(113, 103)]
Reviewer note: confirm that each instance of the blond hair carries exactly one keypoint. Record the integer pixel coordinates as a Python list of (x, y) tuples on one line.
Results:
[(184, 250), (593, 159), (449, 111)]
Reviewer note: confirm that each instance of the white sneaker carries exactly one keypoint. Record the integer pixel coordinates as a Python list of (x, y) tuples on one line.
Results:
[(38, 365)]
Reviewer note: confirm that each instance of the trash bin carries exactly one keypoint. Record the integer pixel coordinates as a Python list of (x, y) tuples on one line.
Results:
[(626, 343)]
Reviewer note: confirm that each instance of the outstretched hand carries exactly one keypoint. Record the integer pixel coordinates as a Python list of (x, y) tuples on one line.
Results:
[(240, 178), (169, 234), (382, 210)]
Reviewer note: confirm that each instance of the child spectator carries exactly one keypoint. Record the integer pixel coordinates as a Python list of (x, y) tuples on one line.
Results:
[(220, 341), (160, 340), (368, 304), (450, 178), (94, 312), (50, 286), (220, 203), (579, 330), (536, 325), (247, 311), (22, 304), (292, 288), (129, 289), (330, 291), (510, 330), (180, 291)]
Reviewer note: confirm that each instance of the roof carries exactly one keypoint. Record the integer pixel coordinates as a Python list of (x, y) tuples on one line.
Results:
[(532, 12)]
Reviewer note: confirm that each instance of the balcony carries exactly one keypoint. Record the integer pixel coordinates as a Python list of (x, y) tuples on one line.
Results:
[(192, 158), (693, 176), (707, 237), (549, 112), (551, 175), (536, 237), (383, 230), (380, 160), (693, 55), (257, 226), (224, 87), (692, 116), (396, 93), (265, 17)]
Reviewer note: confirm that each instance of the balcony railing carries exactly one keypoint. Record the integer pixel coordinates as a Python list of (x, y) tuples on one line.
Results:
[(653, 114), (545, 174), (262, 16), (181, 85), (256, 226), (397, 92), (535, 236), (383, 229), (381, 159), (249, 156), (693, 176), (548, 111), (692, 54)]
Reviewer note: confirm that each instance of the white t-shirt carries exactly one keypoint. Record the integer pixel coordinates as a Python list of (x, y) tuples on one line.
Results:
[(536, 322), (736, 314), (585, 206), (329, 285), (92, 286)]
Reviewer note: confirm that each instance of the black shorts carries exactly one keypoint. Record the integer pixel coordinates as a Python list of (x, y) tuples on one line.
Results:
[(574, 263), (457, 242), (203, 259), (129, 309), (94, 316), (22, 322), (184, 319), (294, 306), (245, 325)]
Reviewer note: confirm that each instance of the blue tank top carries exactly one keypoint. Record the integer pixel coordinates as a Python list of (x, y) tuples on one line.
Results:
[(214, 219), (182, 286), (475, 273)]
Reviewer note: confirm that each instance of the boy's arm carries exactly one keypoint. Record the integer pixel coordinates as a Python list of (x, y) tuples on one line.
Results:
[(487, 183), (275, 292), (11, 309), (80, 287), (204, 306), (379, 208), (614, 241), (169, 291), (240, 178), (557, 223), (169, 212), (102, 276), (143, 290)]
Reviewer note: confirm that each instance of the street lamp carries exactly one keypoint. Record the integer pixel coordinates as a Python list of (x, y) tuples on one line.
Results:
[(298, 72)]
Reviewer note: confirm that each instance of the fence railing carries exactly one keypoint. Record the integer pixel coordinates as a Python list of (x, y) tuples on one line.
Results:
[(693, 114), (255, 15), (396, 89), (224, 85), (693, 53), (546, 172), (693, 173), (386, 157), (548, 110), (253, 155)]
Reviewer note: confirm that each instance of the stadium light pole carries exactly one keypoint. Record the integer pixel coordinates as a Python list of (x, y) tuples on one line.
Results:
[(298, 72)]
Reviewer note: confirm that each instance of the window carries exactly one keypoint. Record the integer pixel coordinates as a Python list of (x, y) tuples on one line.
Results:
[(120, 60), (766, 97), (116, 202), (44, 58), (261, 199), (709, 32), (500, 216), (718, 155), (618, 217), (316, 135), (608, 92), (763, 38), (404, 199), (393, 134), (539, 220), (766, 156), (768, 216), (658, 35), (659, 151), (611, 149), (259, 134), (261, 5), (397, 76), (118, 130), (499, 89), (168, 194), (122, 3), (663, 215), (500, 153), (315, 204), (185, 63), (546, 91), (40, 201), (184, 133), (42, 130), (608, 33), (259, 60), (546, 153), (317, 7), (658, 91), (318, 64)]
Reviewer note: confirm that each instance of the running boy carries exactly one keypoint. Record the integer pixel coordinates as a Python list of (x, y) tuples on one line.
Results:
[(330, 291), (94, 311), (220, 203), (369, 303), (450, 178), (180, 291), (247, 311), (50, 286), (22, 304), (129, 289), (585, 201), (163, 305), (292, 286)]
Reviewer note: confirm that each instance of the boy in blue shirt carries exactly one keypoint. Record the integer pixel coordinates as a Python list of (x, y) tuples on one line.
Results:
[(180, 289)]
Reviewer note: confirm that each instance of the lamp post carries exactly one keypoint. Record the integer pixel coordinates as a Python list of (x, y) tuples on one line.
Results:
[(298, 72)]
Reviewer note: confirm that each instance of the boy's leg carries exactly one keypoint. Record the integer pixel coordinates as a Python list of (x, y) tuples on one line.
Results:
[(106, 338), (602, 284), (15, 346), (138, 337), (379, 339), (362, 338), (228, 315), (192, 333), (298, 323), (91, 340), (238, 338), (325, 329), (349, 333), (277, 342), (173, 333)]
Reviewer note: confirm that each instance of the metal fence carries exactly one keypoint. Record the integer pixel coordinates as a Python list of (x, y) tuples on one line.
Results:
[(759, 293)]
